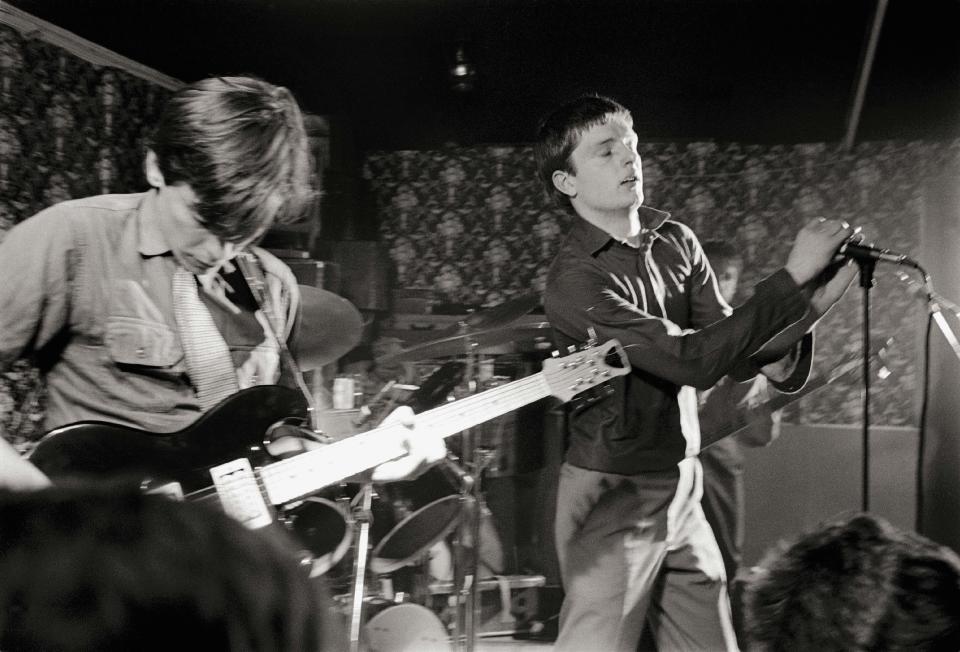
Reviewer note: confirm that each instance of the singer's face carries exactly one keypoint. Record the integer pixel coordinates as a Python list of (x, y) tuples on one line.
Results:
[(607, 174)]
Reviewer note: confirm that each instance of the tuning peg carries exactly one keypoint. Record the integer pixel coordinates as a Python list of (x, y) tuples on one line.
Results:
[(592, 339)]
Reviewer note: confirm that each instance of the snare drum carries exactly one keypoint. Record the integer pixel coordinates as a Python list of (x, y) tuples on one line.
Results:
[(405, 628)]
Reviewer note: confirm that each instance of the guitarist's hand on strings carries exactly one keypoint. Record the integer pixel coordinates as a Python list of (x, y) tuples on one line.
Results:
[(424, 449)]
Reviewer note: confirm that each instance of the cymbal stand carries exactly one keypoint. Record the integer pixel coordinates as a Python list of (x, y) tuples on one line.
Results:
[(466, 559), (361, 521), (462, 576), (475, 509)]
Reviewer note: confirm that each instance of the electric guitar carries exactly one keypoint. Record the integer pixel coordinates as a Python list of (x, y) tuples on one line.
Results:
[(222, 456), (744, 416)]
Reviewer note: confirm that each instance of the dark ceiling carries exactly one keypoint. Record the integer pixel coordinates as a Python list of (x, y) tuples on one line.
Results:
[(744, 70)]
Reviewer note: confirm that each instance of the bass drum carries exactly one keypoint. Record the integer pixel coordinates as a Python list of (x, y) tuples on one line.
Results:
[(320, 525), (405, 628), (415, 514)]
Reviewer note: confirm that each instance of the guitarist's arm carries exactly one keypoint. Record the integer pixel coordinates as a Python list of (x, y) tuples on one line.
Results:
[(424, 449), (16, 472)]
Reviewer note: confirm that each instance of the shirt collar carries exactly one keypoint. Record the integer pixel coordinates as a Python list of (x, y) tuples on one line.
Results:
[(151, 241), (593, 239)]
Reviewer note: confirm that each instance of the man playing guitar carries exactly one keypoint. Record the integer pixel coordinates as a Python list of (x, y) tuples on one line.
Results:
[(134, 306)]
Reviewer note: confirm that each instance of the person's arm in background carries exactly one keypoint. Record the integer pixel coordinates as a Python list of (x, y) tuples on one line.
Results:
[(765, 428)]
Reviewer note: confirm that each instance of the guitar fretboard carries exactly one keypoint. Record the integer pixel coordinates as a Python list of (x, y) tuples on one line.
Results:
[(304, 474)]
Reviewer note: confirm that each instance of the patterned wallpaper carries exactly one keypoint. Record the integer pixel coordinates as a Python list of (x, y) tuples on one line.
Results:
[(68, 129), (471, 226)]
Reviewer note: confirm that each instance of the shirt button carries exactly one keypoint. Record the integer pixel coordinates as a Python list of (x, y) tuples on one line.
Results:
[(141, 352)]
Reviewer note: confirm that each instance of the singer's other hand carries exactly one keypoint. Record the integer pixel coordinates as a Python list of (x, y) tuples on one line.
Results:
[(828, 288), (424, 449), (814, 248)]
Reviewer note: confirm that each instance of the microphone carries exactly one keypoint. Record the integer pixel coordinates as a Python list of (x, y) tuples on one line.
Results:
[(858, 251)]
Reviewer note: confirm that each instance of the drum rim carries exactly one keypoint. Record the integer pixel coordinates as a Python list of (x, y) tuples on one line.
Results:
[(319, 565)]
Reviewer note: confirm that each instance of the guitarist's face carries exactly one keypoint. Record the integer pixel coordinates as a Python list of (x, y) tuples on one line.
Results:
[(192, 244)]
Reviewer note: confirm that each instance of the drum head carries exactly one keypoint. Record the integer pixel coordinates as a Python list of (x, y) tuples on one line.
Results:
[(321, 527), (406, 628), (415, 534)]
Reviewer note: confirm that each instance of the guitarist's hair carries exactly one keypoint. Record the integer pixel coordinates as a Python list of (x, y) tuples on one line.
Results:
[(241, 145), (84, 569)]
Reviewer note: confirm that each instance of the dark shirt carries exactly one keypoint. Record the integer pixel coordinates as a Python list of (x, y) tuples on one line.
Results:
[(661, 302)]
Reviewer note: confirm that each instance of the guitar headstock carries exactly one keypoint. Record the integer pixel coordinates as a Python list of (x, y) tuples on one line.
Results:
[(586, 368), (879, 357)]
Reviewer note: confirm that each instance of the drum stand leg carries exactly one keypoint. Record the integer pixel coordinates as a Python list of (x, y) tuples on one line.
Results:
[(462, 575), (362, 522), (467, 566)]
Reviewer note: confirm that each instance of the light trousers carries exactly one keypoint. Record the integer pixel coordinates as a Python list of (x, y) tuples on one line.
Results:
[(636, 550)]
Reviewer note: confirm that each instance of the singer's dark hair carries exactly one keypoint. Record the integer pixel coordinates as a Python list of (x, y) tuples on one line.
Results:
[(559, 134)]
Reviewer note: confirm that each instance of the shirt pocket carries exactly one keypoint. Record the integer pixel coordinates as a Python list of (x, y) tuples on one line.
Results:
[(140, 342)]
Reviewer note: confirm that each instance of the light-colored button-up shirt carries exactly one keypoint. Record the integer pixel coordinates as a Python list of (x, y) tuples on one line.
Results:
[(87, 288)]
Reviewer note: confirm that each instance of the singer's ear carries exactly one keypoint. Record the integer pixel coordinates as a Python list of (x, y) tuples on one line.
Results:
[(565, 182)]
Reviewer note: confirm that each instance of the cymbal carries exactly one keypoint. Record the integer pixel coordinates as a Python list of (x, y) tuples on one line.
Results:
[(496, 317), (329, 327), (530, 337)]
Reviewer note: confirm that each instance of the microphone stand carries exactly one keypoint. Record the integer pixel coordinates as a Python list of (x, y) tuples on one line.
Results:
[(866, 266), (935, 305)]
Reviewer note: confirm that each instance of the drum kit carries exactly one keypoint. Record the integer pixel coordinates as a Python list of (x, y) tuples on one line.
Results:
[(380, 548)]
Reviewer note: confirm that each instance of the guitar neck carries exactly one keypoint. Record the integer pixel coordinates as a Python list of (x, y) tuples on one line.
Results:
[(304, 474), (745, 416)]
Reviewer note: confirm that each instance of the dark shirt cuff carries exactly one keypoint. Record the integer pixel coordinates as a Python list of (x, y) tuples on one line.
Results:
[(801, 370), (780, 284)]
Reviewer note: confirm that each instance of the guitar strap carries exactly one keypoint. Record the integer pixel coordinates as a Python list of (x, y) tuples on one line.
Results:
[(249, 266)]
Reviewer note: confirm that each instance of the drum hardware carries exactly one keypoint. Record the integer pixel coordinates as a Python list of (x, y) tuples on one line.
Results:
[(424, 526), (361, 520), (466, 558)]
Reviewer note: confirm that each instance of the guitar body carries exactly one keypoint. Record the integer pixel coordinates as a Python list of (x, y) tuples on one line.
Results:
[(235, 428)]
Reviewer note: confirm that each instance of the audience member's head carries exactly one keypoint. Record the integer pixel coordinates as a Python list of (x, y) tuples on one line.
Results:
[(727, 263), (859, 584), (91, 570)]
